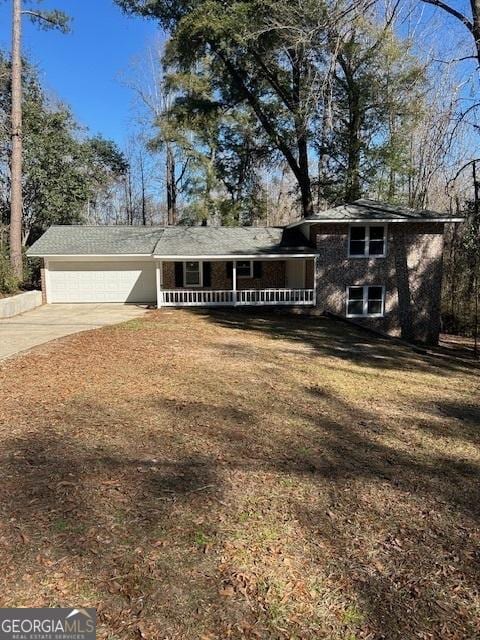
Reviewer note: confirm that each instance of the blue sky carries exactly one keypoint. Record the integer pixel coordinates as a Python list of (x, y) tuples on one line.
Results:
[(84, 68)]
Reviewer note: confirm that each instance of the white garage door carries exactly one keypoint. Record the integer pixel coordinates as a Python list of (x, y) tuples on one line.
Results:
[(121, 281)]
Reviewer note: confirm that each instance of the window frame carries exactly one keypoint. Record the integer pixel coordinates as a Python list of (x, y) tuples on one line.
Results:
[(239, 277), (366, 253), (365, 300), (200, 274)]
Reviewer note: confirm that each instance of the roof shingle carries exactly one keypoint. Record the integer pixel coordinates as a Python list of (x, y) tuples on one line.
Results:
[(167, 242), (74, 240), (211, 241), (365, 209)]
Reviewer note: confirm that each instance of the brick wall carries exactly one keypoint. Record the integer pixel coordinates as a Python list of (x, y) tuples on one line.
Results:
[(411, 273), (273, 276)]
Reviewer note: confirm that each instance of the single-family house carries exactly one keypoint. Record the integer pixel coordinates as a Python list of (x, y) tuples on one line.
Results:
[(377, 264)]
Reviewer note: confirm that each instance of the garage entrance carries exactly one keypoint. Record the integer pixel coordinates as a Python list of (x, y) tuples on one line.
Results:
[(101, 281)]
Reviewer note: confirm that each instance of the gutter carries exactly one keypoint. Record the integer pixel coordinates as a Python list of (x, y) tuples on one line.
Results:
[(239, 256), (370, 221)]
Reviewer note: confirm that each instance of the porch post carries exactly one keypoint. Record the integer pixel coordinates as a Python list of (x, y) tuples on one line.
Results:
[(159, 274), (315, 266), (234, 282)]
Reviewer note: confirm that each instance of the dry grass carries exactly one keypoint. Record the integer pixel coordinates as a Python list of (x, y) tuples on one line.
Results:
[(214, 476)]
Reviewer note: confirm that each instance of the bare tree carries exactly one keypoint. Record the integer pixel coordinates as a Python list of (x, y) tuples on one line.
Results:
[(472, 24), (150, 88)]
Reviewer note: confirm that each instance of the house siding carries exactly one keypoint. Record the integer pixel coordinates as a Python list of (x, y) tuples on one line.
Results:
[(273, 277), (411, 273)]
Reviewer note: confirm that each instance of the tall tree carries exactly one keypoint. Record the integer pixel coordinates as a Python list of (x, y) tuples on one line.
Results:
[(472, 23), (46, 19), (155, 100), (64, 170), (264, 54), (376, 93)]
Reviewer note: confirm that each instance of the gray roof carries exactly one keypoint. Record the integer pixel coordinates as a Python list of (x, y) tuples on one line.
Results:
[(79, 240), (227, 241), (364, 209), (74, 240)]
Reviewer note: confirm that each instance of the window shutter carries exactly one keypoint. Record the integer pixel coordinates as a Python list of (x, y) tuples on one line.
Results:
[(257, 269), (207, 274), (179, 274), (229, 267)]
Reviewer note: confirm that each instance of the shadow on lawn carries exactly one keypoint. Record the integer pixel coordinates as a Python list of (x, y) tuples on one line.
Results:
[(98, 506), (330, 337), (428, 556), (113, 528)]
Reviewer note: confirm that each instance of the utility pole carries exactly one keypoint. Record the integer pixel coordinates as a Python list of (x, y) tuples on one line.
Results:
[(16, 202)]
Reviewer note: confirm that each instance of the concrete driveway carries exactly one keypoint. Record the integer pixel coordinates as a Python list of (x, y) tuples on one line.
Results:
[(56, 320)]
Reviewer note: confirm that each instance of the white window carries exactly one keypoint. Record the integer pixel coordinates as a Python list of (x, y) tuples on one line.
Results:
[(192, 274), (367, 241), (245, 269), (365, 301)]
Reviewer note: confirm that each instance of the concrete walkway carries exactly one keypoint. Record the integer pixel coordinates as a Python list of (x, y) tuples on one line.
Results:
[(56, 320)]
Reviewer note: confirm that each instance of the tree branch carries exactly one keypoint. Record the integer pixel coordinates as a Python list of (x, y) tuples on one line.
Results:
[(55, 19), (467, 164), (259, 112), (453, 12), (454, 60), (272, 80), (184, 169)]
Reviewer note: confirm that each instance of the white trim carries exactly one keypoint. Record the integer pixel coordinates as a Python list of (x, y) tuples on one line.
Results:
[(233, 298), (159, 281), (367, 253), (369, 221), (365, 313), (250, 275), (250, 256), (47, 281), (234, 282), (73, 256), (208, 258), (200, 274)]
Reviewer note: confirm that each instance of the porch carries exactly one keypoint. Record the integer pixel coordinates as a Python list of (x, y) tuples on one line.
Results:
[(256, 281)]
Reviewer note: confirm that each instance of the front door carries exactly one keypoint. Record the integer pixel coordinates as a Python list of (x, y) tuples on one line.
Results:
[(296, 274)]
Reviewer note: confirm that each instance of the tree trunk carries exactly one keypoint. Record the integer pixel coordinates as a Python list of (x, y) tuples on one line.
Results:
[(354, 146), (239, 80), (352, 188), (304, 176), (322, 184), (129, 198), (142, 180), (301, 135), (16, 205), (475, 4), (171, 188)]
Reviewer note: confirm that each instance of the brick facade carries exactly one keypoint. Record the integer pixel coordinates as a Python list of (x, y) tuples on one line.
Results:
[(273, 277), (411, 272)]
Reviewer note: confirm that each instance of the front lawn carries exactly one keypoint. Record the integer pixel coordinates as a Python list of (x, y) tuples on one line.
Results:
[(233, 475)]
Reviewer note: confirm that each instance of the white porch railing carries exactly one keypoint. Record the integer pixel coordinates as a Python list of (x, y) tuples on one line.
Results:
[(254, 297), (192, 298), (275, 296)]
